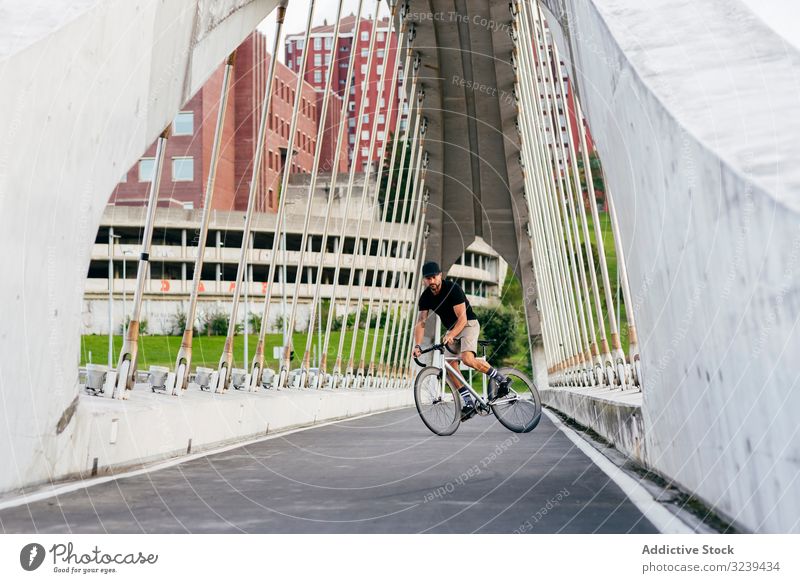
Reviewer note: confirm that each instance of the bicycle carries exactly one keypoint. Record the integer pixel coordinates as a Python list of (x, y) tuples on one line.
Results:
[(439, 405)]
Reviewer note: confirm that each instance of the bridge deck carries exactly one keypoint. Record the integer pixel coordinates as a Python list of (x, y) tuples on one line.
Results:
[(380, 473)]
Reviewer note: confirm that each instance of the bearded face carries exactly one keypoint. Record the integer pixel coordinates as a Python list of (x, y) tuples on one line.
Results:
[(434, 283)]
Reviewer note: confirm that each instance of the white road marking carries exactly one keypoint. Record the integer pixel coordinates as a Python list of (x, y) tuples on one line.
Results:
[(654, 511), (52, 491)]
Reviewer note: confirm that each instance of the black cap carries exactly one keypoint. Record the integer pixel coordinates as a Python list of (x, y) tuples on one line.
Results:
[(430, 268)]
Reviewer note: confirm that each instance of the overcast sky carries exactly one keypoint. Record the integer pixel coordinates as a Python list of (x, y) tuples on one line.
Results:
[(297, 14)]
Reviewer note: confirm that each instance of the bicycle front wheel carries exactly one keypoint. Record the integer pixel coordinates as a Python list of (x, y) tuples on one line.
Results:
[(520, 410), (438, 406)]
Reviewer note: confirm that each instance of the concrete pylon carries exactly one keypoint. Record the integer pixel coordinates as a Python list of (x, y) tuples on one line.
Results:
[(477, 188)]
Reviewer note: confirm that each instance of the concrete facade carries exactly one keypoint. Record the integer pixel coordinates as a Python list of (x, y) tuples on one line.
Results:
[(94, 83), (480, 271), (696, 128)]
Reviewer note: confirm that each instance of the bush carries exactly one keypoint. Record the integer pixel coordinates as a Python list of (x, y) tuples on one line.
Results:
[(143, 326), (362, 321), (279, 323), (178, 324), (502, 325), (254, 319), (216, 324)]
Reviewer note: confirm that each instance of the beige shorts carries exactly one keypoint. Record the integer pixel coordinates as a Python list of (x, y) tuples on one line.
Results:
[(467, 340)]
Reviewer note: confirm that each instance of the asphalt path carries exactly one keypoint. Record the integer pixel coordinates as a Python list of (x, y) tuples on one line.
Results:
[(383, 473)]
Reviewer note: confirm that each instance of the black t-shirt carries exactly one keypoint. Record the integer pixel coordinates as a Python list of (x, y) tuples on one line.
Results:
[(450, 295)]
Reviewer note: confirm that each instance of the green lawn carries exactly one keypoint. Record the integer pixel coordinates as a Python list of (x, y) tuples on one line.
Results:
[(206, 350)]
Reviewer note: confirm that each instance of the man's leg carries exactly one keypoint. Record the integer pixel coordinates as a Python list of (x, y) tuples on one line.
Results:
[(467, 404), (469, 358)]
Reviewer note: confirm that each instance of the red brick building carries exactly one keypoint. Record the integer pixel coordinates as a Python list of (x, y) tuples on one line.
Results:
[(188, 153), (318, 53)]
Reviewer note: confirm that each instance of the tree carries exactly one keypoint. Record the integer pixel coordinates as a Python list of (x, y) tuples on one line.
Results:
[(216, 324), (502, 325)]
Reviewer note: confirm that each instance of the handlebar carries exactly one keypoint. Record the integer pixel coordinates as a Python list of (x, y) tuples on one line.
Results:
[(439, 347)]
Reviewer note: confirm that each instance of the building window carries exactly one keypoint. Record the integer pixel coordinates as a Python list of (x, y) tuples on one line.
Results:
[(380, 36), (318, 60), (146, 166), (183, 125), (183, 169), (317, 76), (352, 139), (351, 122), (381, 118), (351, 106), (364, 152), (364, 35), (365, 135), (365, 117), (363, 69), (381, 52), (380, 69), (328, 59), (364, 52), (383, 102), (317, 43), (328, 42), (381, 136), (301, 43)]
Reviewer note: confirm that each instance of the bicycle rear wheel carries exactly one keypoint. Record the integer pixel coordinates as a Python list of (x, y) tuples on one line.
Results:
[(520, 410), (440, 410)]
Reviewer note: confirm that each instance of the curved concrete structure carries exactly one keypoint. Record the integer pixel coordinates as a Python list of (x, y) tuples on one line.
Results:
[(474, 176), (693, 109), (87, 86)]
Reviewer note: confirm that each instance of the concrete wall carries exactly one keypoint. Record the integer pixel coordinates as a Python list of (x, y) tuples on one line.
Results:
[(694, 109), (87, 86)]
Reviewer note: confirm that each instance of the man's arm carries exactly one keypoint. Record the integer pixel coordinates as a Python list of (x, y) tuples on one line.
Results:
[(461, 312), (419, 331)]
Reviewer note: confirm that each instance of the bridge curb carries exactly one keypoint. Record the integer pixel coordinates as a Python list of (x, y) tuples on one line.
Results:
[(613, 414)]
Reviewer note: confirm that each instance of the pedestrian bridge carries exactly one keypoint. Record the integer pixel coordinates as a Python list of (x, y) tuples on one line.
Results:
[(640, 180)]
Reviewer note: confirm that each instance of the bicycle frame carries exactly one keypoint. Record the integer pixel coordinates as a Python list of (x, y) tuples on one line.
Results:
[(447, 367)]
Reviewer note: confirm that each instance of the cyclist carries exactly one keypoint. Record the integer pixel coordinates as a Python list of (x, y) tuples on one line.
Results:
[(447, 299)]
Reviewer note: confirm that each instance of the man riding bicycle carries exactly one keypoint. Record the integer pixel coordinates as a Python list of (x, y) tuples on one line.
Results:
[(448, 300)]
